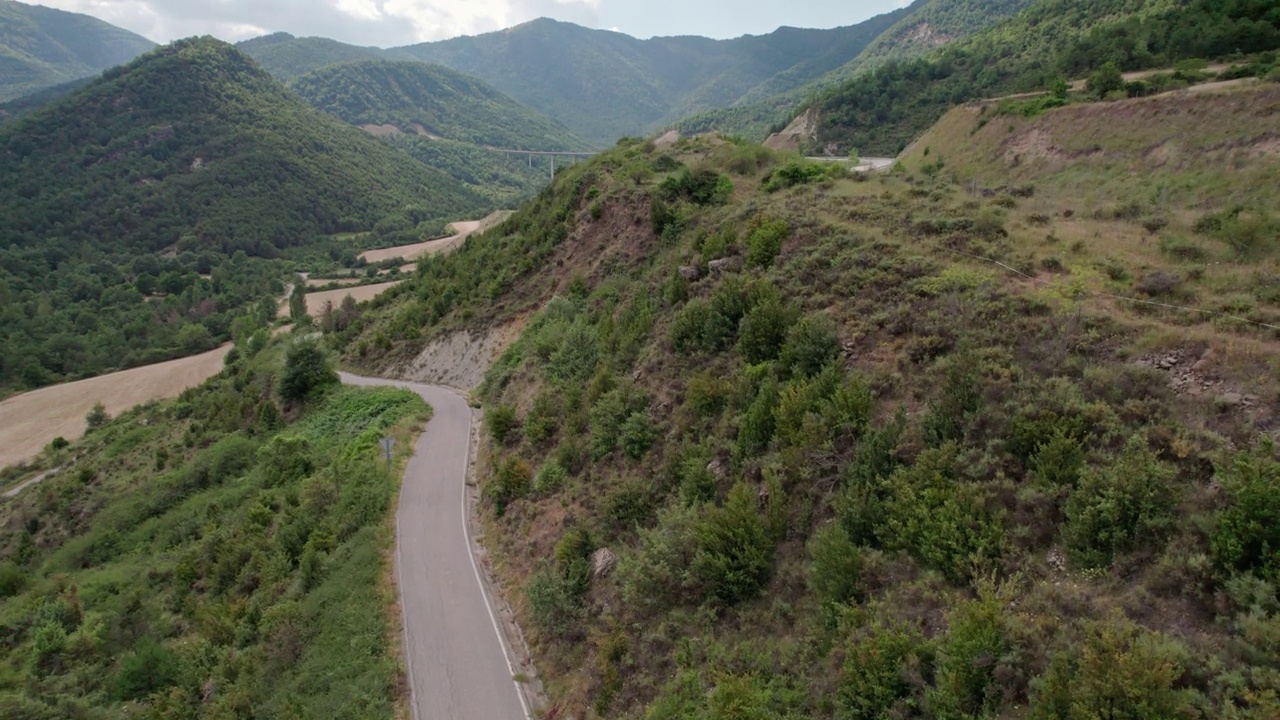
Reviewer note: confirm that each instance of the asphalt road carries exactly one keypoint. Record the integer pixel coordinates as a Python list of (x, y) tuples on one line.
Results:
[(456, 657)]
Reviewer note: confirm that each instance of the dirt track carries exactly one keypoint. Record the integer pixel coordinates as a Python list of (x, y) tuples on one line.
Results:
[(462, 230), (31, 420), (316, 300)]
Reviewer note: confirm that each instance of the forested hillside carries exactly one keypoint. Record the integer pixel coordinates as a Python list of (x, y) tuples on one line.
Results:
[(600, 84), (1051, 40), (430, 100), (888, 446), (40, 47), (287, 57), (219, 555), (906, 33), (115, 200)]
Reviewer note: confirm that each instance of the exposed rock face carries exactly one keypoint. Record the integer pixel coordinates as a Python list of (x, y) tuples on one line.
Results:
[(603, 562), (722, 265), (803, 128)]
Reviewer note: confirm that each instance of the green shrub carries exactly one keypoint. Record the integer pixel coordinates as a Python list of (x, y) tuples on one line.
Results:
[(798, 172), (12, 579), (307, 371), (948, 416), (657, 576), (1105, 80), (1118, 671), (968, 657), (637, 435), (510, 482), (551, 477), (873, 681), (939, 520), (96, 418), (700, 187), (1120, 508), (835, 565), (149, 668), (707, 394), (608, 415), (542, 420), (811, 345), (1247, 535), (764, 242), (764, 330), (1058, 461), (734, 550), (285, 459), (756, 425), (553, 607), (700, 328), (501, 420)]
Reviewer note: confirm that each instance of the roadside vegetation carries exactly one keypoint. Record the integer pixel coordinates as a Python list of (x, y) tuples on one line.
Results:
[(851, 462), (220, 555)]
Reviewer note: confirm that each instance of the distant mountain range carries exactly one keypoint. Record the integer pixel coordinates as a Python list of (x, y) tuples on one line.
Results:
[(40, 47)]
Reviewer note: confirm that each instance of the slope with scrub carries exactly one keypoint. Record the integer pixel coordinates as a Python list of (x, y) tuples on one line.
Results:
[(867, 447)]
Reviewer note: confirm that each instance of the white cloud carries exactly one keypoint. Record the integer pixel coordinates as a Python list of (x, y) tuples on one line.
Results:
[(367, 22)]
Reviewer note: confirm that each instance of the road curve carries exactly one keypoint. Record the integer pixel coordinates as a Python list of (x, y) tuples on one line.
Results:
[(455, 655)]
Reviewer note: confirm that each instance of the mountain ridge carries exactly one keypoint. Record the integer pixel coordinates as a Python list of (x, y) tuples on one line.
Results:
[(42, 47)]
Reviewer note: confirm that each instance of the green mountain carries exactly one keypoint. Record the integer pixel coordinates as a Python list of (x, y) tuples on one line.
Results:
[(1050, 40), (40, 47), (288, 57), (602, 84), (193, 152), (909, 32), (902, 445), (430, 100)]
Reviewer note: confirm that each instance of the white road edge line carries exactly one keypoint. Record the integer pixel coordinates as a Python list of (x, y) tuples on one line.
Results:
[(404, 617), (466, 532)]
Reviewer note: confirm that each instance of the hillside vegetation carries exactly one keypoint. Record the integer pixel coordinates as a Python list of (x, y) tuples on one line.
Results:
[(903, 34), (880, 447), (220, 555), (40, 47), (115, 201), (1050, 40), (421, 99), (601, 84)]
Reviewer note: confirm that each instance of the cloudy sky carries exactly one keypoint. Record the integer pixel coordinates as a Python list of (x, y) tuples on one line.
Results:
[(388, 23)]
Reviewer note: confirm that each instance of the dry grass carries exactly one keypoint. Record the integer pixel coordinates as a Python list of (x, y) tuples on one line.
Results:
[(462, 230), (316, 301), (31, 420)]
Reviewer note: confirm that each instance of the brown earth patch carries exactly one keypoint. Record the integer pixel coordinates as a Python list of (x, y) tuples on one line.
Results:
[(382, 130), (32, 420)]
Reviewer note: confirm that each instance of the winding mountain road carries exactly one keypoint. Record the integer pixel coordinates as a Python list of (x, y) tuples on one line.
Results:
[(456, 656)]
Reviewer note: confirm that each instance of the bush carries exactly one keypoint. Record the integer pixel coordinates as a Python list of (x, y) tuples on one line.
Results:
[(1120, 508), (96, 418), (948, 416), (12, 579), (608, 415), (797, 172), (700, 328), (149, 668), (307, 371), (1118, 671), (811, 345), (765, 242), (1058, 461), (835, 565), (553, 606), (700, 187), (940, 521), (551, 477), (735, 551), (501, 421), (510, 482), (764, 330), (968, 657), (1247, 535), (637, 435), (873, 682), (1105, 80), (286, 459)]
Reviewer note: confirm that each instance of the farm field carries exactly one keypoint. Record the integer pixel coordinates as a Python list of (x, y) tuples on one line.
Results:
[(31, 420)]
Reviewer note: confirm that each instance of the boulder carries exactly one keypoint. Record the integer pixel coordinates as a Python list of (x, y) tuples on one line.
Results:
[(722, 265), (690, 272), (603, 562)]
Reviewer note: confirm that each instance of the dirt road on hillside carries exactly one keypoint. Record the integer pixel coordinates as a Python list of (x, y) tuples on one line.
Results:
[(456, 655)]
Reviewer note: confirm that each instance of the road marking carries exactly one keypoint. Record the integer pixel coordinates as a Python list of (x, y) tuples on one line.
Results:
[(466, 533)]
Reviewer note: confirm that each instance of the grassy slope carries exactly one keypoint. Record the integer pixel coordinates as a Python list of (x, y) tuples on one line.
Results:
[(961, 562), (40, 46), (246, 560), (880, 113), (903, 34), (287, 57)]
